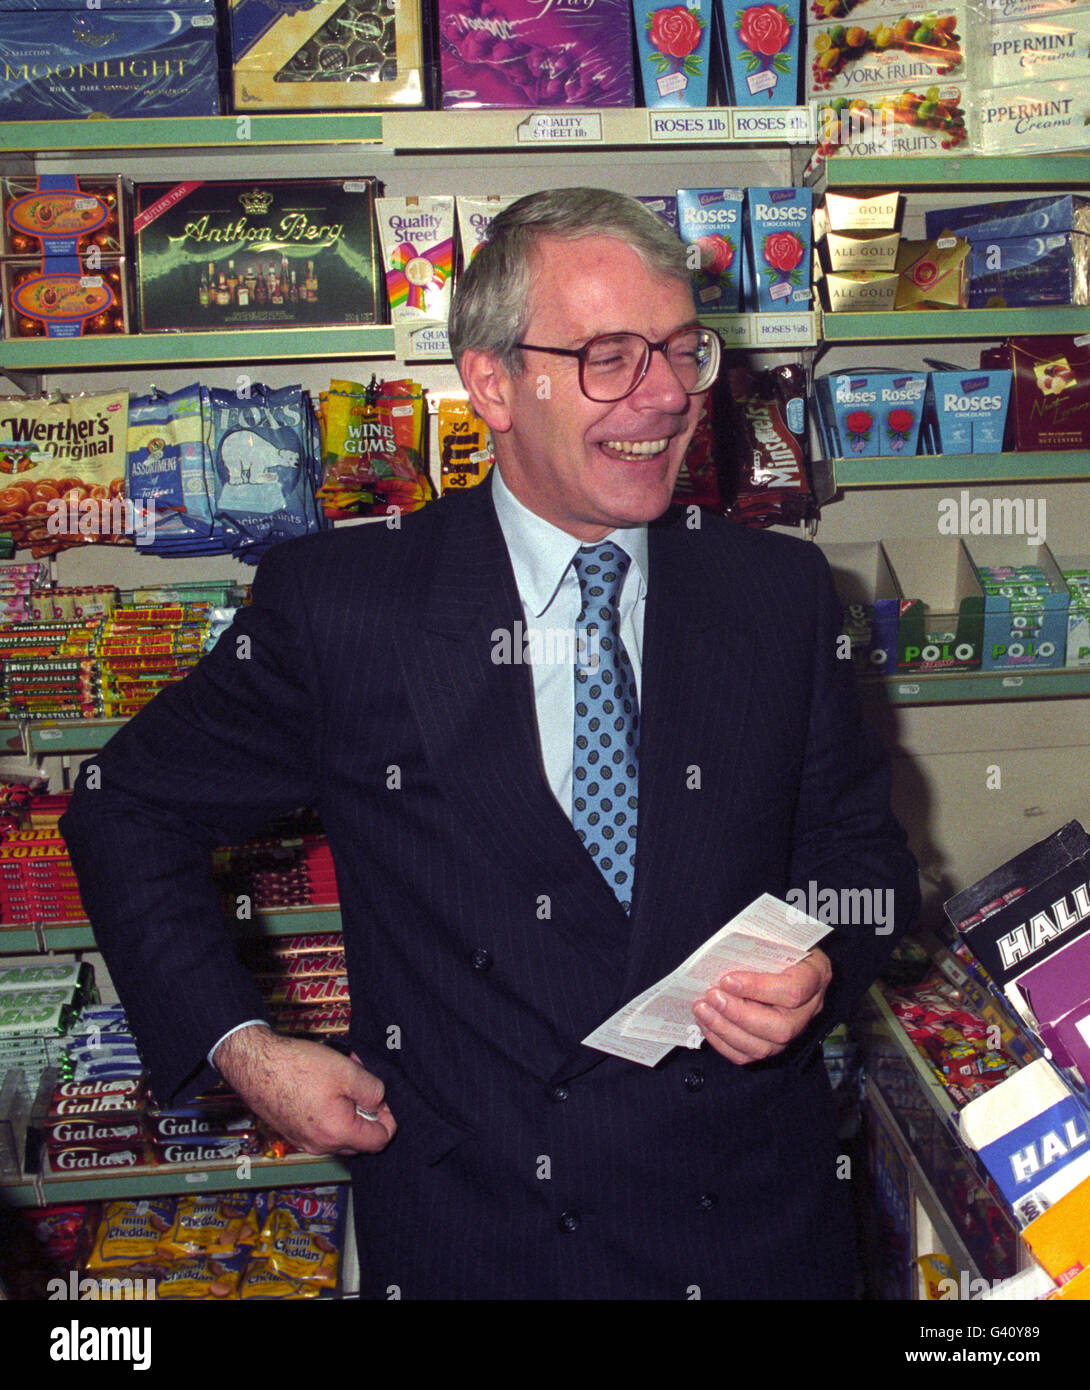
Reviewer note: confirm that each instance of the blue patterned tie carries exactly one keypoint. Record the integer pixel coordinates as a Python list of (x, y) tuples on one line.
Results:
[(605, 763)]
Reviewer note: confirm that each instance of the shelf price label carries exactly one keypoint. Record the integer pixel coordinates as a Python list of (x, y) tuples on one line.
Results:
[(785, 330), (676, 123), (736, 330), (794, 124), (421, 342), (560, 128)]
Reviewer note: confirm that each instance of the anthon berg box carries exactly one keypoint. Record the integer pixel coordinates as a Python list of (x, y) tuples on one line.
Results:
[(258, 253)]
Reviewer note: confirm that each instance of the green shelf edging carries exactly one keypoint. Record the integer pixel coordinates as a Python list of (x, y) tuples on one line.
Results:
[(287, 921), (975, 687), (926, 325), (191, 132), (925, 470), (168, 1180), (139, 349), (957, 171)]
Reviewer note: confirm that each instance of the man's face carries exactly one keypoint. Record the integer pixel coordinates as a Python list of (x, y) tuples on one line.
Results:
[(588, 466)]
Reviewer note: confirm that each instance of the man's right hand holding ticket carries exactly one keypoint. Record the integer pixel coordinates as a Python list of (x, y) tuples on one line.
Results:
[(749, 1015)]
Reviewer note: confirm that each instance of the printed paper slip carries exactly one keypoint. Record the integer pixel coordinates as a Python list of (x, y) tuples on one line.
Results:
[(767, 935)]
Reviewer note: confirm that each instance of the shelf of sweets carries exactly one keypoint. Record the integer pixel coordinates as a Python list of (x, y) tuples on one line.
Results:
[(102, 1184), (974, 687), (335, 343), (280, 921), (921, 470), (970, 171), (930, 325), (409, 131)]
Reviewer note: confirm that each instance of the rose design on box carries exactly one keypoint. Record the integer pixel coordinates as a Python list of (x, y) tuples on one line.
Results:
[(674, 35), (859, 425), (716, 256), (764, 36), (782, 253), (899, 425)]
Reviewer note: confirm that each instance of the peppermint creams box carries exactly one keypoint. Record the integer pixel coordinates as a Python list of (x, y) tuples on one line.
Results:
[(1038, 51), (520, 53), (674, 44), (1031, 116), (762, 51), (710, 224), (780, 228)]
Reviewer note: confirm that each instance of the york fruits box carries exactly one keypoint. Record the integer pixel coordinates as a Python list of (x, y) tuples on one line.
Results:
[(904, 48), (108, 62), (517, 53), (257, 254), (327, 54), (780, 224), (674, 44), (710, 223)]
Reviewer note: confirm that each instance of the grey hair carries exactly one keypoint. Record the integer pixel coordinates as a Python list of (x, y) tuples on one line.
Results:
[(492, 298)]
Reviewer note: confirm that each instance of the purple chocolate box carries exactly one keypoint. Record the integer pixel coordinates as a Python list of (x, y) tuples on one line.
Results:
[(515, 53)]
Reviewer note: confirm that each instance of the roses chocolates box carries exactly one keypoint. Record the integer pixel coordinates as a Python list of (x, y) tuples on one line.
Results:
[(326, 55), (967, 411), (759, 44), (872, 414), (674, 44), (257, 254), (780, 231), (710, 222), (906, 47), (108, 62), (516, 53), (941, 625)]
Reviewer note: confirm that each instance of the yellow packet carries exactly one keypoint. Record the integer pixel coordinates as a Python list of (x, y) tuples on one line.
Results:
[(465, 445)]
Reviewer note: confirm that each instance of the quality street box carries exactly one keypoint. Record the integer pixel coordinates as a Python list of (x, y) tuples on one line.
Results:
[(326, 55), (257, 254), (941, 625), (103, 62), (871, 603)]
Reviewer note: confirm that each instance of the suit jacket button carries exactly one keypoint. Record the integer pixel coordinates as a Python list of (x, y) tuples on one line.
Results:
[(707, 1200), (568, 1221), (693, 1079), (558, 1093), (481, 960)]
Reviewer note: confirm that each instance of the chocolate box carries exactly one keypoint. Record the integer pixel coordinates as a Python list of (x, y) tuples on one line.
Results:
[(326, 55), (1018, 217), (518, 53), (1020, 272), (57, 298), (257, 254), (933, 274), (759, 44), (105, 62), (902, 47), (1050, 405), (674, 45), (64, 215)]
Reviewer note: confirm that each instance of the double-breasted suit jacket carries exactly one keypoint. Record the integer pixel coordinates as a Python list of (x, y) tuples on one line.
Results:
[(482, 942)]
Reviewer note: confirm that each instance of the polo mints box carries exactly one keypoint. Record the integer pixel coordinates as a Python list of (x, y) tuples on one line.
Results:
[(967, 411), (710, 224), (780, 229)]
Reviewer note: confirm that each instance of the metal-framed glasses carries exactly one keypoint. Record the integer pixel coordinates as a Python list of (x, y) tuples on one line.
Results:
[(612, 365)]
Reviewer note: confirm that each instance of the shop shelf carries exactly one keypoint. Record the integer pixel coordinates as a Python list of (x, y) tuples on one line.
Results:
[(163, 349), (190, 132), (974, 687), (284, 921), (922, 469), (21, 939), (930, 325), (167, 1180), (961, 171)]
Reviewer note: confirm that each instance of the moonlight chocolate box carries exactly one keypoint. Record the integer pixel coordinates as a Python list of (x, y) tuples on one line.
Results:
[(257, 254)]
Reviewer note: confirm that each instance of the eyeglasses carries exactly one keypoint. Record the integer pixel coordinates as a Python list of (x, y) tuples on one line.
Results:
[(613, 365)]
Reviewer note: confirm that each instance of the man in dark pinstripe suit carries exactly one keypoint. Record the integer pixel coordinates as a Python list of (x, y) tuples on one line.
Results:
[(496, 1156)]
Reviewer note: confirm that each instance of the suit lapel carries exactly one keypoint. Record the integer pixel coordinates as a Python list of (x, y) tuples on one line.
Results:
[(476, 716)]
